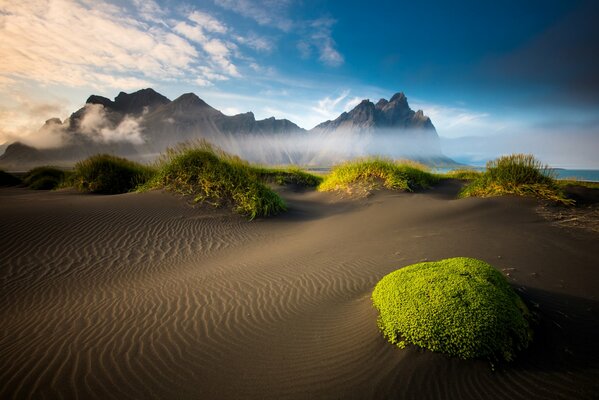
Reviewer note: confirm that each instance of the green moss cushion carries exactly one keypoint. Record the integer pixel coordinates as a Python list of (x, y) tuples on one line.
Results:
[(462, 307)]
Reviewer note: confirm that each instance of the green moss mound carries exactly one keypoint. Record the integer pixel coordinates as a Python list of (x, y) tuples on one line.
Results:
[(517, 174), (212, 176), (7, 179), (362, 176), (462, 307), (44, 178), (106, 174)]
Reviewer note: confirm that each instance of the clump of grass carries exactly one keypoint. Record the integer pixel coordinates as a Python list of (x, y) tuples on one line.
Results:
[(364, 175), (7, 179), (461, 306), (213, 176), (576, 182), (44, 178), (286, 176), (516, 174), (463, 173), (107, 174)]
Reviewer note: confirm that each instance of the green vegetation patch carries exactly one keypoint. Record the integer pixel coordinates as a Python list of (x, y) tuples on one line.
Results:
[(463, 173), (288, 176), (106, 174), (7, 179), (212, 176), (516, 174), (362, 176), (44, 178), (462, 307)]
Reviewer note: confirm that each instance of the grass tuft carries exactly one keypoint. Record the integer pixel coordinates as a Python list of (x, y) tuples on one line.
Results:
[(44, 178), (215, 177), (463, 173), (461, 306), (517, 174), (287, 176), (106, 174), (7, 179), (362, 176)]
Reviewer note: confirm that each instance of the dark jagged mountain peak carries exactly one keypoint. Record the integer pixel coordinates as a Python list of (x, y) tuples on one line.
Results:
[(137, 102), (394, 113), (131, 103), (399, 97), (95, 99), (191, 100)]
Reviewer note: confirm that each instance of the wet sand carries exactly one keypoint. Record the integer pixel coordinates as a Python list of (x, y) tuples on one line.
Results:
[(144, 296)]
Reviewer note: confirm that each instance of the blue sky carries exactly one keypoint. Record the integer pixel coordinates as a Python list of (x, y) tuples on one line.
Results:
[(512, 73)]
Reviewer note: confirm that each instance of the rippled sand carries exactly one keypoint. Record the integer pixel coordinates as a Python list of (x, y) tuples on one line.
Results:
[(144, 296)]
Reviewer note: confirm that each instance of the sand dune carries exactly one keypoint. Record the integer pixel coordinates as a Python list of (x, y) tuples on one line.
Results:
[(144, 296)]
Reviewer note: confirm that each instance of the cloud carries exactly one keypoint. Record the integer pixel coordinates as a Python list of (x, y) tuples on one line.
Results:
[(218, 50), (318, 37), (327, 107), (572, 147), (451, 121), (21, 120), (82, 44), (207, 22), (256, 42), (264, 12), (96, 125)]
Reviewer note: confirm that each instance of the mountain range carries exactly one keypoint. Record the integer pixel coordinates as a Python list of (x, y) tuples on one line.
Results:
[(142, 124)]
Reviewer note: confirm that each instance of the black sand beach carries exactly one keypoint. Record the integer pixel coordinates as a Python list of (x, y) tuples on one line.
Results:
[(145, 296)]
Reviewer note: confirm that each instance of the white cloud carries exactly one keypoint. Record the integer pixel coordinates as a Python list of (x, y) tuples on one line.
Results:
[(258, 43), (207, 22), (328, 107), (22, 118), (459, 121), (264, 12), (97, 126), (318, 37), (83, 43), (351, 103)]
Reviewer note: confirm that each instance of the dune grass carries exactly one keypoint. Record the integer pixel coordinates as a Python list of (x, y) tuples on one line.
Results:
[(463, 173), (574, 182), (213, 176), (461, 306), (363, 176), (516, 174), (44, 178), (7, 179), (287, 176), (107, 174)]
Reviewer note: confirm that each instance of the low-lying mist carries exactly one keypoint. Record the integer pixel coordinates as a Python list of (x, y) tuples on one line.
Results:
[(325, 149), (574, 148)]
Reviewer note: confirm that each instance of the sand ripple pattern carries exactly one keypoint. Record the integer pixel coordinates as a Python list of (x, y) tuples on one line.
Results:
[(141, 296)]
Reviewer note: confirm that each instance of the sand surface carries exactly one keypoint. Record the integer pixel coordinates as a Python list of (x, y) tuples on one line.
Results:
[(143, 296)]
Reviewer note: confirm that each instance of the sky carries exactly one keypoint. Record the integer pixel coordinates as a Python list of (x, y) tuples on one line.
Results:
[(494, 77)]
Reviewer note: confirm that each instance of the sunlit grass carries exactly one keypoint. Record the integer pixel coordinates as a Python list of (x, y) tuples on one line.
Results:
[(364, 175), (516, 174), (287, 176), (462, 173), (210, 175)]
